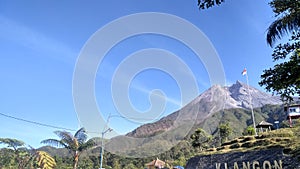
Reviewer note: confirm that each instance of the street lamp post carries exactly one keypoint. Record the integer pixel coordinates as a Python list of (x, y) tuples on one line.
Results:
[(102, 146), (102, 136)]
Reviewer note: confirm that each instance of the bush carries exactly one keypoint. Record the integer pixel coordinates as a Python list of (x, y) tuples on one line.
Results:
[(230, 142), (247, 138), (248, 144), (236, 145)]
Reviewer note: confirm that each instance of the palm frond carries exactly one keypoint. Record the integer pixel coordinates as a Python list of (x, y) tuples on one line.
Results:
[(54, 142), (65, 136), (81, 135), (280, 7), (285, 24), (44, 160)]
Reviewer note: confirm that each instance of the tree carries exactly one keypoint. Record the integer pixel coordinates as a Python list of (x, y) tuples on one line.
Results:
[(130, 166), (225, 131), (116, 164), (286, 12), (12, 143), (7, 158), (200, 139), (21, 154), (284, 78), (181, 161), (288, 19), (249, 131), (26, 157), (86, 163), (204, 4), (76, 144)]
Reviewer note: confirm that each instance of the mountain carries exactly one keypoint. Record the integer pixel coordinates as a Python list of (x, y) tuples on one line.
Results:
[(215, 99), (216, 105), (207, 111)]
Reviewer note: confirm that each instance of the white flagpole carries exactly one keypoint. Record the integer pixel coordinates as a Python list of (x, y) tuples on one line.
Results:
[(250, 100)]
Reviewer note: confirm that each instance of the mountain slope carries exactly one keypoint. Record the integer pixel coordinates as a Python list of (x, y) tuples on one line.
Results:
[(215, 99), (153, 138)]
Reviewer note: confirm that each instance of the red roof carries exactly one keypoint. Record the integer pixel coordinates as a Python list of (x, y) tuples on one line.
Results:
[(156, 163)]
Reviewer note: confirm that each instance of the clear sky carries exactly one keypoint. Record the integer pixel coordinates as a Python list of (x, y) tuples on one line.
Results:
[(40, 42)]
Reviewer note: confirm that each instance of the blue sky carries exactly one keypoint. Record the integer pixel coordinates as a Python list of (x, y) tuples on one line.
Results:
[(40, 42)]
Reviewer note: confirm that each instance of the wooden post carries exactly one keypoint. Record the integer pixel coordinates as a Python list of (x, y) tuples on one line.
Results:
[(290, 120)]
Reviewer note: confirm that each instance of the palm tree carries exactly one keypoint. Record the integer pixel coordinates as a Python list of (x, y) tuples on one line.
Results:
[(288, 19), (76, 144)]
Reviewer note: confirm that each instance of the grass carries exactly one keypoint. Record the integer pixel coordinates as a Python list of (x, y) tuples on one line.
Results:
[(287, 138)]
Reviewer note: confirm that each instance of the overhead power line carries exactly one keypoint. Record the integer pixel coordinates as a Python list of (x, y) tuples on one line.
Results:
[(36, 123), (63, 128)]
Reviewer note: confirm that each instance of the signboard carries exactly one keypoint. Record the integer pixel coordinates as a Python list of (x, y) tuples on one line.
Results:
[(262, 159)]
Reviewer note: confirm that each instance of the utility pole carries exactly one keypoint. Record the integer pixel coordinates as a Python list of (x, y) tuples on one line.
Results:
[(102, 145)]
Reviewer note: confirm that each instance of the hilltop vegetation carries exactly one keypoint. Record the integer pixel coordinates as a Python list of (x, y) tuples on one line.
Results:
[(240, 119), (274, 149)]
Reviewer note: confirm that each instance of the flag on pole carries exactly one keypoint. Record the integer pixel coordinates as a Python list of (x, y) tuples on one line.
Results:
[(244, 72)]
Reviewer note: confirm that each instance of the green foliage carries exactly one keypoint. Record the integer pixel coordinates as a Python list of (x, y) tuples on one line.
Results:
[(205, 4), (287, 138), (18, 156), (284, 124), (287, 15), (225, 131), (64, 162), (296, 123), (239, 120), (116, 164), (7, 158), (20, 153), (87, 163), (181, 161), (13, 143), (284, 78), (249, 131), (130, 166), (200, 139)]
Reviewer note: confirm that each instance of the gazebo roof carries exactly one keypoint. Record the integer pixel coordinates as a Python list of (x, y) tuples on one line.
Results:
[(264, 124), (156, 163)]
